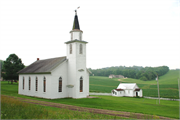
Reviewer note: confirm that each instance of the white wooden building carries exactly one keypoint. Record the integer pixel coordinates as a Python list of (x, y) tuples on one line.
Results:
[(59, 77), (116, 76), (127, 89)]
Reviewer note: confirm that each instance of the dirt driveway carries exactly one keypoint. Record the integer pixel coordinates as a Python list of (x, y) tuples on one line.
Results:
[(93, 110)]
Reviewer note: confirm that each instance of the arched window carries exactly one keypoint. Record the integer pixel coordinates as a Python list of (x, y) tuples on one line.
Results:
[(60, 84), (36, 84), (71, 36), (80, 36), (23, 83), (81, 84), (80, 49), (29, 83), (70, 49), (44, 85)]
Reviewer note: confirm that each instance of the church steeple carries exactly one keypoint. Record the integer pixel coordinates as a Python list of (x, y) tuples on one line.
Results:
[(76, 33), (76, 22)]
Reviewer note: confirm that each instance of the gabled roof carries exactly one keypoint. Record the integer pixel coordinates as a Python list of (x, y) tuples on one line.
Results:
[(43, 66), (119, 89), (137, 89), (126, 85)]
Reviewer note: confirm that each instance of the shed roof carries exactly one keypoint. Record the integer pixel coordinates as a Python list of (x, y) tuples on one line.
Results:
[(43, 66), (126, 85)]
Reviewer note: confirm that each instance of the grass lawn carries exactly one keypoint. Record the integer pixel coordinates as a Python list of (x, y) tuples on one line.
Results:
[(138, 105), (168, 85)]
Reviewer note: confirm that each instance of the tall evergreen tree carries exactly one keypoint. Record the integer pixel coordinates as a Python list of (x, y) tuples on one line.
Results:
[(11, 66)]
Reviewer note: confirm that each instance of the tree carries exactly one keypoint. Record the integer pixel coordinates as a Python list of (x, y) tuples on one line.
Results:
[(143, 78), (11, 66), (1, 64)]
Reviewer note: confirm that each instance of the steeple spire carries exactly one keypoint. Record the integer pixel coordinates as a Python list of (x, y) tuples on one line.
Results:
[(76, 22)]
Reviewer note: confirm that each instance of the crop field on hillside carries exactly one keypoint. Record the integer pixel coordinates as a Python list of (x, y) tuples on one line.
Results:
[(168, 85)]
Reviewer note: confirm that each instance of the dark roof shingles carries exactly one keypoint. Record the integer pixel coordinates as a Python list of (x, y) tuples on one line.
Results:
[(43, 66), (119, 89)]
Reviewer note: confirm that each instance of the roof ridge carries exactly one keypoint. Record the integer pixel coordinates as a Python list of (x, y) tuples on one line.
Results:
[(50, 58)]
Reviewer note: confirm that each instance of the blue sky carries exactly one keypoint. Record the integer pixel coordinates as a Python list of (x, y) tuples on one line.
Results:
[(119, 32)]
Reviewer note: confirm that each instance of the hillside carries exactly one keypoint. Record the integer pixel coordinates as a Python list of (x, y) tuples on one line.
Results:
[(168, 84), (136, 72)]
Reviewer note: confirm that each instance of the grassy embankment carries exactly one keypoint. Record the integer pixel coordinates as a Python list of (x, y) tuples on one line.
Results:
[(138, 105), (12, 108), (168, 85)]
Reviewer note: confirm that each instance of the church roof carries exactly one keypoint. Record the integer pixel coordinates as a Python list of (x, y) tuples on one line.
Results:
[(42, 66), (76, 22)]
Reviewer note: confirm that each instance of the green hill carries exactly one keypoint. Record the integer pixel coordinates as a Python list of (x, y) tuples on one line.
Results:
[(168, 84)]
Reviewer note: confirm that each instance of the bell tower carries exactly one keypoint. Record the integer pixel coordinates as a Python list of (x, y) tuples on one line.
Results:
[(78, 77)]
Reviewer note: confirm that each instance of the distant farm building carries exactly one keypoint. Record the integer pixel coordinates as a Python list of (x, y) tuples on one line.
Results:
[(116, 76), (127, 89)]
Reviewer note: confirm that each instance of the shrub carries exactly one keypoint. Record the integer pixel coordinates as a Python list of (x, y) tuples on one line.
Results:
[(143, 78)]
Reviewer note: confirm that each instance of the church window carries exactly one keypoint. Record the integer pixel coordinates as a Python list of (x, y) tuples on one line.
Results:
[(60, 84), (71, 36), (70, 49), (80, 49), (81, 84), (44, 85), (29, 83), (80, 37), (36, 84), (23, 83)]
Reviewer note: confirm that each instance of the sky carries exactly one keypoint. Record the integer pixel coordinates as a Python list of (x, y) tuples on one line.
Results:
[(118, 32)]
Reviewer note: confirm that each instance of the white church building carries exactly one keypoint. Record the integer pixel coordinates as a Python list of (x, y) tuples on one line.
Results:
[(128, 90), (59, 77)]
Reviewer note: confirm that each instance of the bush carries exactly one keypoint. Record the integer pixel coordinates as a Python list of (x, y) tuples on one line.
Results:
[(143, 78)]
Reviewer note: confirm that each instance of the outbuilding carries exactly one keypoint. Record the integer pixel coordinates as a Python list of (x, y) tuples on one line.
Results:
[(127, 89)]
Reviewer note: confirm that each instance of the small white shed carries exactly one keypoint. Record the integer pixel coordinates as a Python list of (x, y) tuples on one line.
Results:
[(127, 89)]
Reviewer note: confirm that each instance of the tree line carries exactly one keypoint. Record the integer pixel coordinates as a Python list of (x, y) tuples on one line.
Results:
[(136, 72)]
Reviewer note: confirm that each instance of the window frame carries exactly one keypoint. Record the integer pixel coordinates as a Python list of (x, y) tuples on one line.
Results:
[(29, 83), (80, 49), (36, 84), (81, 84), (70, 48), (44, 84), (23, 82), (80, 36), (60, 85), (71, 36)]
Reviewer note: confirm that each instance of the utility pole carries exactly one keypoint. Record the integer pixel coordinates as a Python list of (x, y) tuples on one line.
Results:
[(179, 96), (158, 89)]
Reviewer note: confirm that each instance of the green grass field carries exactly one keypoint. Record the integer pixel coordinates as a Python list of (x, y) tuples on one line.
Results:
[(12, 108), (168, 85), (137, 105)]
